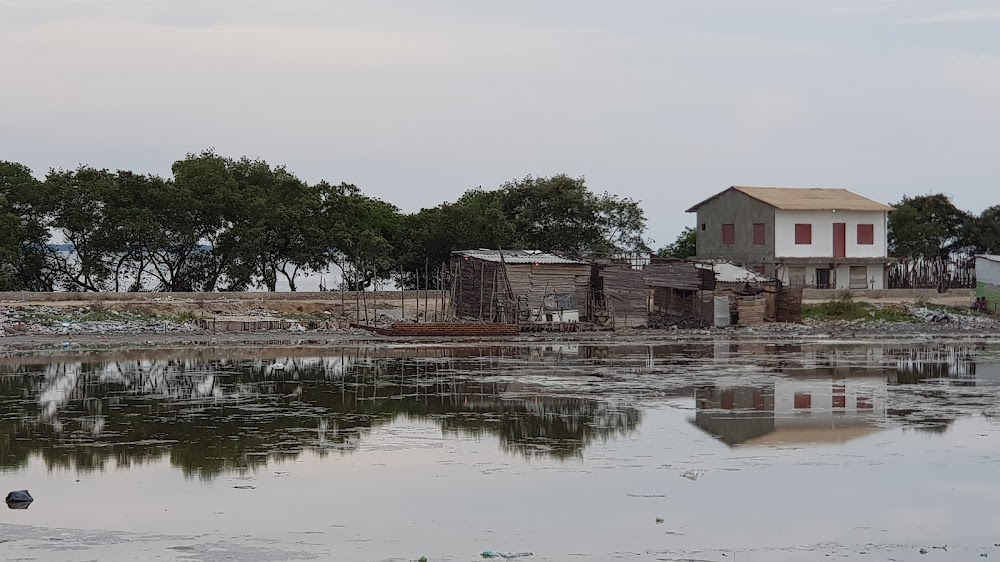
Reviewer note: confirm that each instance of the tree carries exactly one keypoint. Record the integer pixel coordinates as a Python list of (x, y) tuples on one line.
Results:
[(684, 247), (279, 229), (984, 231), (560, 214), (75, 204), (22, 232), (927, 226)]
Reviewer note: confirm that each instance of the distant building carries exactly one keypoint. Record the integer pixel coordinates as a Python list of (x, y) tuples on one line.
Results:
[(806, 237), (988, 280)]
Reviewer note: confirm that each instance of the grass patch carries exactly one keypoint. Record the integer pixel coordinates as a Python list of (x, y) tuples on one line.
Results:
[(846, 308)]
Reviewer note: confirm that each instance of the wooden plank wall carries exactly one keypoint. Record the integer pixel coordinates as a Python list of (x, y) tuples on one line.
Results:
[(677, 275), (751, 310), (531, 283), (473, 289), (625, 296)]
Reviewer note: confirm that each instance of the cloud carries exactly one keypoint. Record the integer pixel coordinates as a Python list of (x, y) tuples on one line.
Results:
[(959, 16)]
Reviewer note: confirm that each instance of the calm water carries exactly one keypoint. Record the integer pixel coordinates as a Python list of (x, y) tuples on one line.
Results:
[(678, 452)]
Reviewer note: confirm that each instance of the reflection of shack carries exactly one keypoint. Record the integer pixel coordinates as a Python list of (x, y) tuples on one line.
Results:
[(515, 286)]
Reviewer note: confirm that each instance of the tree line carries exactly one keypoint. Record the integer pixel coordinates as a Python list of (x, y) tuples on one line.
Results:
[(925, 227), (225, 224)]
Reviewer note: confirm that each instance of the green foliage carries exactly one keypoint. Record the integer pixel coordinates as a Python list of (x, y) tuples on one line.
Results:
[(225, 224), (844, 307), (685, 246), (984, 231), (22, 234), (928, 226)]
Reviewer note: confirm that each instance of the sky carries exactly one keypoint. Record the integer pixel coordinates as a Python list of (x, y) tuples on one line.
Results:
[(664, 101)]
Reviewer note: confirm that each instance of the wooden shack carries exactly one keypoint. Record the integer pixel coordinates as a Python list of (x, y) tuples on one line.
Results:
[(619, 296), (679, 291), (519, 286)]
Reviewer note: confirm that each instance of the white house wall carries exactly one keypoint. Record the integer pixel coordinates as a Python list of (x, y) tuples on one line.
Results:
[(876, 276), (988, 271), (822, 233)]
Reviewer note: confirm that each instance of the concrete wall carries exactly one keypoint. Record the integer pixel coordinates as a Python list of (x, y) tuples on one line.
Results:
[(988, 271), (842, 280), (822, 233), (733, 207)]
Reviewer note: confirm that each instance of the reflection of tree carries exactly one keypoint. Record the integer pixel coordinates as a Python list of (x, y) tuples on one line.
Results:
[(218, 415)]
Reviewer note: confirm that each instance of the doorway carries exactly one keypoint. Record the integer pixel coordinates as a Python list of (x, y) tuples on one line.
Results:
[(822, 278)]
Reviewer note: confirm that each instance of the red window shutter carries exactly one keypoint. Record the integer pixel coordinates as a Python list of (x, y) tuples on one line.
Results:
[(803, 234), (759, 234), (728, 401), (803, 400), (864, 403), (839, 401), (866, 234), (728, 234)]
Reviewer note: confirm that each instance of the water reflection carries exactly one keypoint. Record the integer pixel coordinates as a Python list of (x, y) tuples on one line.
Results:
[(792, 411), (216, 411), (213, 415)]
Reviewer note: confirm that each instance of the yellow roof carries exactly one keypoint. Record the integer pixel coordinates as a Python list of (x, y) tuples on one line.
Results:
[(806, 199)]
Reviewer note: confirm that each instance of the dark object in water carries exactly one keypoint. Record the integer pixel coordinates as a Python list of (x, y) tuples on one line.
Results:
[(20, 499)]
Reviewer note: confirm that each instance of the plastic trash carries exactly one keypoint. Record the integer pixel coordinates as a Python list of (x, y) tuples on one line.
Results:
[(505, 555), (692, 474), (20, 499)]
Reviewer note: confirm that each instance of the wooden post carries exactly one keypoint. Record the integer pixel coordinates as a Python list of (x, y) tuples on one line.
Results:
[(482, 288), (427, 283), (357, 301), (402, 295), (416, 286)]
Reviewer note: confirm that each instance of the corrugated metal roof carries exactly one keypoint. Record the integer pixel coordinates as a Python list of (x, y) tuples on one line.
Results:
[(806, 199), (516, 256)]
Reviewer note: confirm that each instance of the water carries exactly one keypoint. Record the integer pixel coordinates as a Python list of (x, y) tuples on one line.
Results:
[(745, 451)]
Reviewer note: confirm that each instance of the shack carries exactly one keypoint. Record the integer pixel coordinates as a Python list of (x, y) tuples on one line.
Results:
[(681, 293), (618, 297), (519, 286), (988, 280)]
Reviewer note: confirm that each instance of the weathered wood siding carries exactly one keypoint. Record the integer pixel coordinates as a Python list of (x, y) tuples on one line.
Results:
[(493, 291), (625, 296)]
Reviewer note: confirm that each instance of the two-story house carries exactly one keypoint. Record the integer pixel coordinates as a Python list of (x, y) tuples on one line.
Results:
[(806, 237)]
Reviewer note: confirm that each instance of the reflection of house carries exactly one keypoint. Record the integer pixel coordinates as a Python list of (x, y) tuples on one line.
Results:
[(804, 237), (792, 411), (518, 285)]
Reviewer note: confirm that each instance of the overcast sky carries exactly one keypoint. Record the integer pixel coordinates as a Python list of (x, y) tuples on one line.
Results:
[(666, 101)]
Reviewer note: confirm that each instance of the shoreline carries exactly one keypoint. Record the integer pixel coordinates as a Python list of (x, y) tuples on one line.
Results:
[(29, 344)]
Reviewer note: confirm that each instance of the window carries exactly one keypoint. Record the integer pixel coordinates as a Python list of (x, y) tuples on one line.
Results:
[(804, 234), (703, 226), (728, 234), (803, 400), (759, 234), (866, 234)]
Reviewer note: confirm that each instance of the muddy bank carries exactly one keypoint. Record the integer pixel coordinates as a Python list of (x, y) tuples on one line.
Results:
[(777, 333)]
